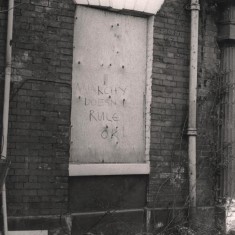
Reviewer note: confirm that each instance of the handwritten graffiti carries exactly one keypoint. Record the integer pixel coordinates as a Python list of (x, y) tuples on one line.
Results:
[(110, 133), (99, 102), (101, 90), (103, 116)]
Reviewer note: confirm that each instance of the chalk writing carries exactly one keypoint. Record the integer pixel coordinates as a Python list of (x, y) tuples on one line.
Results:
[(106, 133), (104, 90), (99, 99), (101, 90), (103, 116), (99, 102), (114, 133)]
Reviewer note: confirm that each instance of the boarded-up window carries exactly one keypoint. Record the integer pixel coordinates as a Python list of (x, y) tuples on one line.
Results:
[(108, 96)]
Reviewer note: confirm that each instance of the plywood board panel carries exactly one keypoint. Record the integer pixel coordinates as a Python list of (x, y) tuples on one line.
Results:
[(140, 5), (149, 85), (109, 72)]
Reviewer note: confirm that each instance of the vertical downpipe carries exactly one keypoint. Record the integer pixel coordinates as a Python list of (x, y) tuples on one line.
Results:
[(6, 103), (192, 129)]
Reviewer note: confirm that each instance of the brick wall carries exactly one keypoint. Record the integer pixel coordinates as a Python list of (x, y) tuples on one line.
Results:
[(40, 107), (168, 186), (169, 104), (207, 119), (39, 126)]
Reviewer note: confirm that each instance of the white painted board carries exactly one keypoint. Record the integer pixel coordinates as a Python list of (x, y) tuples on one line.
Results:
[(141, 6), (108, 102), (109, 169), (118, 4), (33, 232)]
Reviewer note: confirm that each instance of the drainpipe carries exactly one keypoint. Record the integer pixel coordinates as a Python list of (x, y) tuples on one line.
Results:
[(192, 130), (6, 103)]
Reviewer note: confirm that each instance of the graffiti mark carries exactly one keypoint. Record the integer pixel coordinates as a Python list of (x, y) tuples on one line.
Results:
[(114, 133), (103, 116), (104, 134), (101, 89), (106, 90), (99, 102), (110, 134)]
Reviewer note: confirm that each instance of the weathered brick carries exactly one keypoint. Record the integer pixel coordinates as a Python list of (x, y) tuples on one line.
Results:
[(43, 40), (39, 125)]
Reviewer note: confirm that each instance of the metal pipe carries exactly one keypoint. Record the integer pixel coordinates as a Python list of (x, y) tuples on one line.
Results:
[(4, 210), (6, 103), (192, 129), (93, 213)]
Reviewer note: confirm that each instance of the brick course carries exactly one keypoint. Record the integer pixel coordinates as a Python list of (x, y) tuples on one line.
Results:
[(168, 187), (169, 105), (40, 108)]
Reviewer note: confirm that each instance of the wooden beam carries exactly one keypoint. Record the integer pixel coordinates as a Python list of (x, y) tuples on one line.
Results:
[(144, 6)]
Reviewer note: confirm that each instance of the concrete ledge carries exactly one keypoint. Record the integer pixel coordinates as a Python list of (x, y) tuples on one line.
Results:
[(32, 232), (38, 225), (109, 169)]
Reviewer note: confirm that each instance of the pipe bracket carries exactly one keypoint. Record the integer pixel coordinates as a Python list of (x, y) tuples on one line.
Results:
[(192, 132), (195, 6)]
